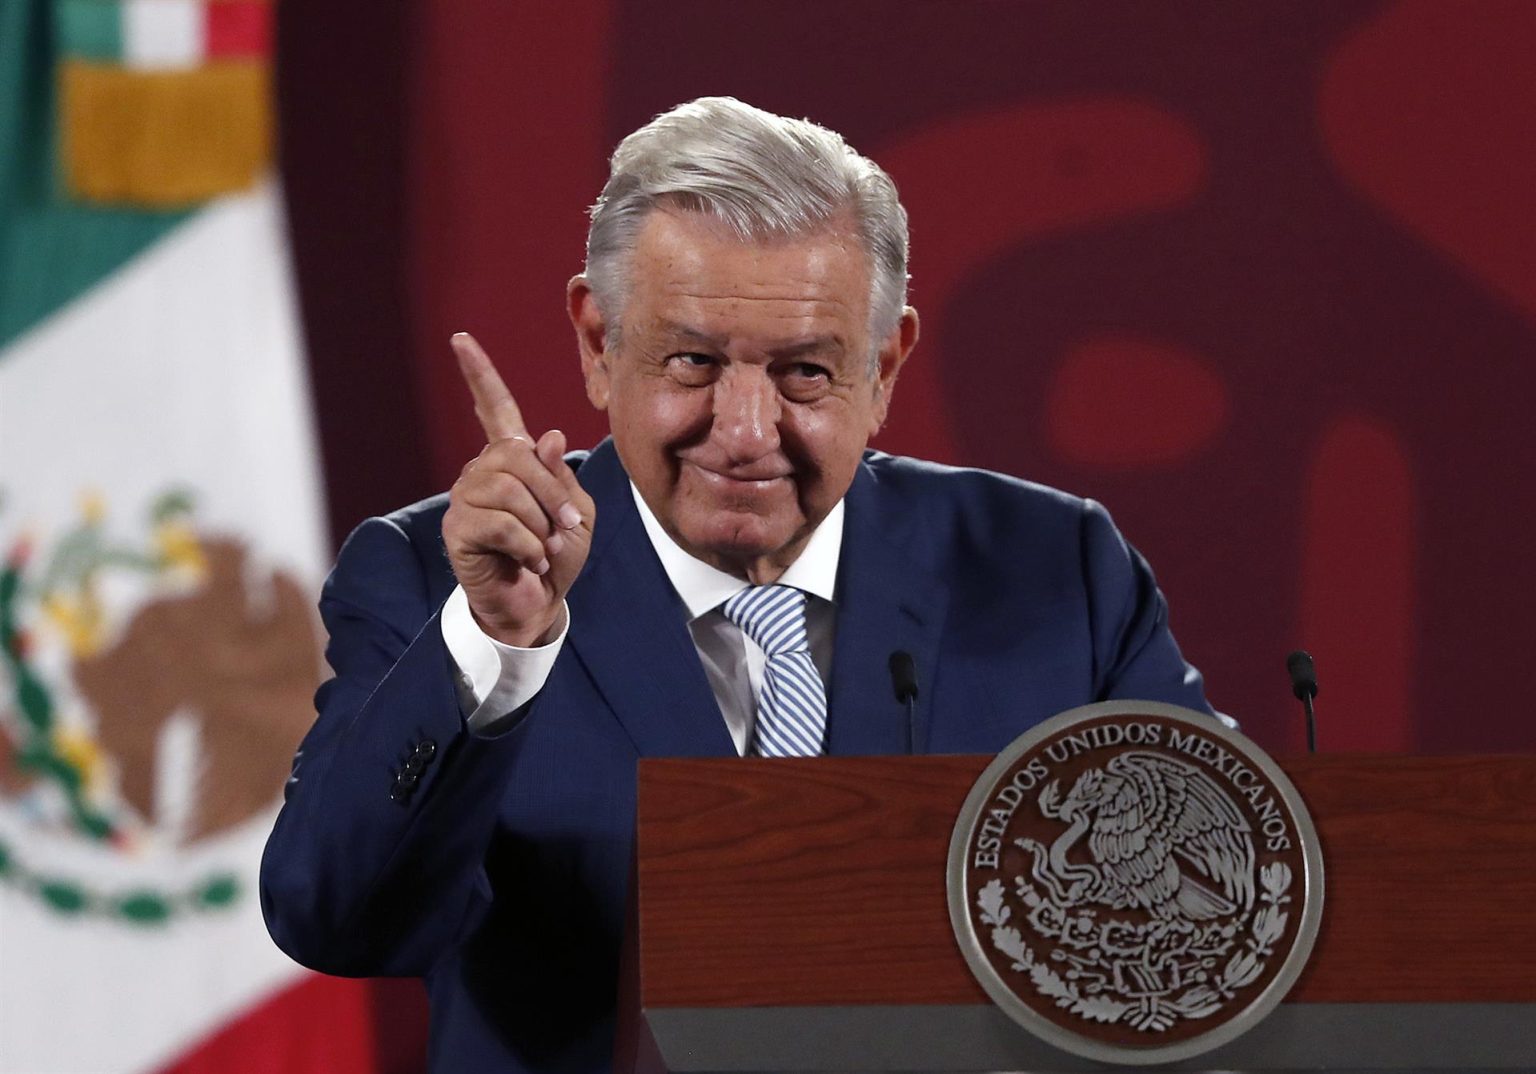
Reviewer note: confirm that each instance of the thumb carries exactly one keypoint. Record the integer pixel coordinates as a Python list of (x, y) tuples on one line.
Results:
[(551, 450)]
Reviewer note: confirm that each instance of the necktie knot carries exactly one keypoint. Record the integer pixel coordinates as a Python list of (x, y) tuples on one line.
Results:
[(773, 616), (792, 703)]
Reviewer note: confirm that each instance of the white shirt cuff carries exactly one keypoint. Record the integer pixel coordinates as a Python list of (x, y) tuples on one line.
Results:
[(494, 680)]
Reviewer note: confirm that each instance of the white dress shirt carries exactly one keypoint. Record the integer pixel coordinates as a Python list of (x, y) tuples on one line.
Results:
[(496, 679)]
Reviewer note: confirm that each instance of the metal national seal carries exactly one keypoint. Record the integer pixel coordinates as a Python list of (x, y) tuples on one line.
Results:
[(1135, 882)]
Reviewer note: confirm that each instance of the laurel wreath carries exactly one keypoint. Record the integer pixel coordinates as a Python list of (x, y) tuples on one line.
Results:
[(34, 702), (1201, 1001), (80, 555), (139, 906)]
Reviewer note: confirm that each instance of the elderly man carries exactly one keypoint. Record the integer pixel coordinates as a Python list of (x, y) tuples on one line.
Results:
[(729, 573)]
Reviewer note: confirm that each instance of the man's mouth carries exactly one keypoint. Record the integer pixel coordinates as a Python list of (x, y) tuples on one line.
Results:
[(751, 478)]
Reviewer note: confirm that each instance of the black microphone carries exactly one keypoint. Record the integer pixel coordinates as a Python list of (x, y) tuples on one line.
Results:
[(904, 685), (1304, 686)]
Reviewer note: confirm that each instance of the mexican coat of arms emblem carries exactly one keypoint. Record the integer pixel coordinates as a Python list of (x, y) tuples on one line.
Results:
[(1134, 882)]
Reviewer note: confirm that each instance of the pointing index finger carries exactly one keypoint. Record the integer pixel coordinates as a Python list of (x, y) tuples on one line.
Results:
[(494, 406)]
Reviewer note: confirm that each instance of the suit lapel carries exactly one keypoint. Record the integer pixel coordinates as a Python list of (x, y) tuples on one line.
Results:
[(630, 631), (886, 602)]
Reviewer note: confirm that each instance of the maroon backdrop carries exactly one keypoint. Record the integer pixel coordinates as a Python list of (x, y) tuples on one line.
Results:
[(1261, 277)]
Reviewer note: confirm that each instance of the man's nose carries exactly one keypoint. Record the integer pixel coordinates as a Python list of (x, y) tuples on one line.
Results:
[(747, 412)]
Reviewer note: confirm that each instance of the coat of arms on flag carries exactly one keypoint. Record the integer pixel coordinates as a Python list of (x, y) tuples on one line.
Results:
[(156, 686), (161, 531)]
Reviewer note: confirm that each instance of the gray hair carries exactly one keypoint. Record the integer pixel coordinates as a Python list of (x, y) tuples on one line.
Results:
[(763, 176)]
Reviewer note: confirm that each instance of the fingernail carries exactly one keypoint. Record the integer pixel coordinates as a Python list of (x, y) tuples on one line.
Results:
[(570, 518), (541, 567), (554, 544)]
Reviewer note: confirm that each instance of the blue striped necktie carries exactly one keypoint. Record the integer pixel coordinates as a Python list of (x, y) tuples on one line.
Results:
[(792, 705)]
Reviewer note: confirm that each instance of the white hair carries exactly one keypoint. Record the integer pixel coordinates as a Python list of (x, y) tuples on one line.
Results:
[(763, 176)]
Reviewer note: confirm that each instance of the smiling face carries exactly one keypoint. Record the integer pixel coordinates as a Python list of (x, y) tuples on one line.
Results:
[(739, 390)]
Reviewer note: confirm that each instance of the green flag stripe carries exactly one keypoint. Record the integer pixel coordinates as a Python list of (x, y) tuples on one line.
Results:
[(52, 249), (89, 29)]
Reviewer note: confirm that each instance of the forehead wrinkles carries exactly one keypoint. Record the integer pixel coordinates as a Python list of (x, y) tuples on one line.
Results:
[(687, 256), (816, 278), (749, 326), (696, 310), (770, 319)]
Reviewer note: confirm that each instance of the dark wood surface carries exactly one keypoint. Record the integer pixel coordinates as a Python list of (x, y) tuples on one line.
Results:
[(821, 881)]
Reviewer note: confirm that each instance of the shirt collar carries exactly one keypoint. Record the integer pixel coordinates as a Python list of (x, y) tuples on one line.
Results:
[(703, 588)]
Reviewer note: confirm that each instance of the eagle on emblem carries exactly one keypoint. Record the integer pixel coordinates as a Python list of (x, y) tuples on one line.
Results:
[(1161, 835)]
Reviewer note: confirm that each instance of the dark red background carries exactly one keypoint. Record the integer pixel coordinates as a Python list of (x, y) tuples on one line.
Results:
[(1259, 276)]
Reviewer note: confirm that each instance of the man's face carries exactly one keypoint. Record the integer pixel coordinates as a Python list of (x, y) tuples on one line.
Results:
[(739, 390)]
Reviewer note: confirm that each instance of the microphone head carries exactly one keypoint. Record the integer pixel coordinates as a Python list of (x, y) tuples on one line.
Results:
[(1303, 674), (903, 676)]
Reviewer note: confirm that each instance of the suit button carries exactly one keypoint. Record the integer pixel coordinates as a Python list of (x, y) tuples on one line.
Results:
[(399, 794), (415, 764), (426, 750)]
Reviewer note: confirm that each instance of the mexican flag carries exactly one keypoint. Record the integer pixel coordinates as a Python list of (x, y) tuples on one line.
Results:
[(161, 542)]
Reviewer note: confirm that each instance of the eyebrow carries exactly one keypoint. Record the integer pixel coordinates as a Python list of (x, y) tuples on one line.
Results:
[(683, 331), (818, 345), (794, 349)]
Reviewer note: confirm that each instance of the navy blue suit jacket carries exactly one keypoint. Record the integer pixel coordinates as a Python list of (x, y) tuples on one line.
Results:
[(496, 868)]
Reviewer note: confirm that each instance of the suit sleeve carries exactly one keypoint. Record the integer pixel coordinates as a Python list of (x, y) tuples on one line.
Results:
[(1134, 654), (375, 865)]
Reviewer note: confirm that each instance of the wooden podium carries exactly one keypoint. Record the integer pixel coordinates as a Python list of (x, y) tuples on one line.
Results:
[(791, 915)]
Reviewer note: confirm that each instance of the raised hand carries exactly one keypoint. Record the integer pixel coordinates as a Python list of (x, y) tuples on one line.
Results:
[(518, 526)]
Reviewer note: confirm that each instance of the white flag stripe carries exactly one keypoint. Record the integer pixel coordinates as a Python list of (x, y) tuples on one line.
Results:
[(181, 370), (163, 34)]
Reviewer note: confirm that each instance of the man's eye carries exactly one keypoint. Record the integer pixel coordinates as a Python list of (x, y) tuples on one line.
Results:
[(691, 368), (805, 382)]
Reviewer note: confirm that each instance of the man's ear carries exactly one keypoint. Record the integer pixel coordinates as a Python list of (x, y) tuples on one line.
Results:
[(889, 360), (591, 339)]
